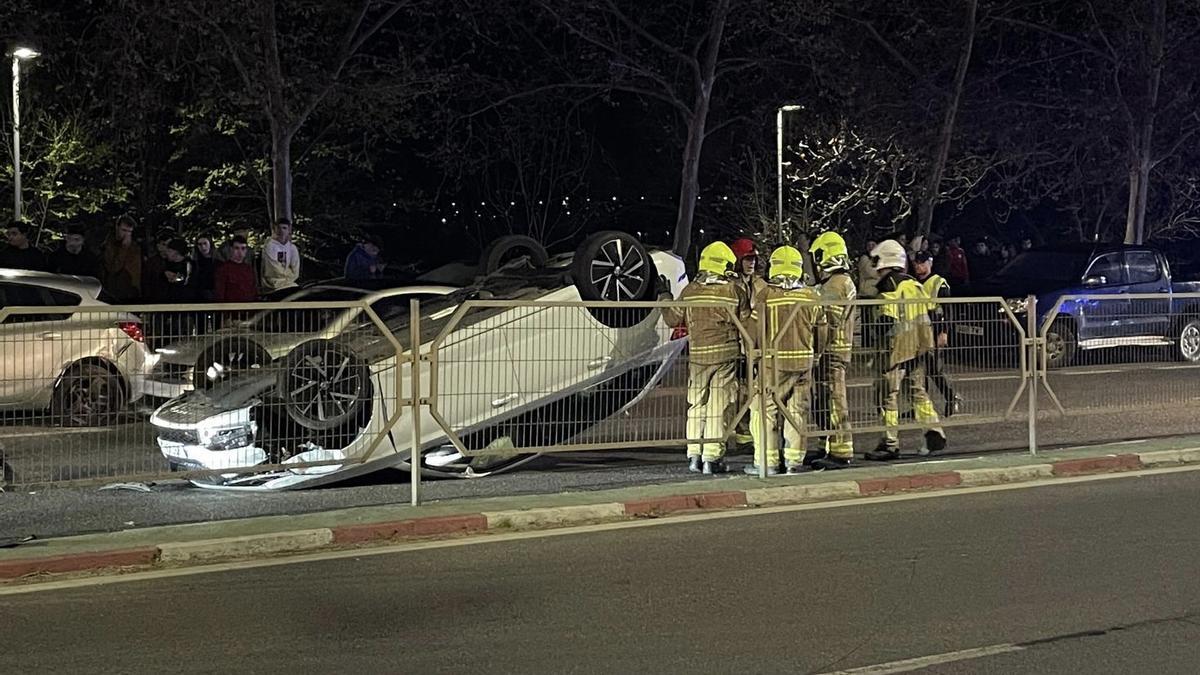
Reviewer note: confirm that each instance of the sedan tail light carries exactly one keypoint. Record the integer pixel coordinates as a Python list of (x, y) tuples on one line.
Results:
[(133, 329), (678, 333)]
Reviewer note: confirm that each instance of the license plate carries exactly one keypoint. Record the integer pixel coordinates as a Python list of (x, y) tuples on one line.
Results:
[(967, 329)]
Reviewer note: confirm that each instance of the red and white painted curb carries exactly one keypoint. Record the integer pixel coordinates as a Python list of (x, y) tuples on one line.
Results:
[(210, 550)]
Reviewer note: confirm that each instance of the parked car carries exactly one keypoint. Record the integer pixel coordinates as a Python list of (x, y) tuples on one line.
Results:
[(1170, 319), (509, 377), (84, 368)]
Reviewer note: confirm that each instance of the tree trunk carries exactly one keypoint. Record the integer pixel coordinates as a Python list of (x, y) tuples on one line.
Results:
[(1142, 141), (706, 75), (281, 175), (929, 196), (689, 186)]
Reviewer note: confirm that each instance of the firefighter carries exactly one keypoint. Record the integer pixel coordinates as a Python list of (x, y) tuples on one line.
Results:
[(715, 302), (746, 252), (832, 262), (936, 287), (907, 338), (785, 314)]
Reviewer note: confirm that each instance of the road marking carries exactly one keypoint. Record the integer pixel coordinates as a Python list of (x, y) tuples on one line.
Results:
[(908, 665), (1075, 373), (490, 538)]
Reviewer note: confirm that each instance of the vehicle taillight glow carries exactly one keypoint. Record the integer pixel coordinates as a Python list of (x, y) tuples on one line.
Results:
[(679, 333), (133, 329)]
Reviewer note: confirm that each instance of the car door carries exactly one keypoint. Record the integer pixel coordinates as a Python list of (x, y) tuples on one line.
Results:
[(1147, 274), (1101, 316), (476, 376), (31, 358)]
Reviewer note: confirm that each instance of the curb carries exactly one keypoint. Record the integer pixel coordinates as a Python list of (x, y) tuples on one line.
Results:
[(274, 543)]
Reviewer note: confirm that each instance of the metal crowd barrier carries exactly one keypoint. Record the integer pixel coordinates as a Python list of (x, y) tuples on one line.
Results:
[(268, 394)]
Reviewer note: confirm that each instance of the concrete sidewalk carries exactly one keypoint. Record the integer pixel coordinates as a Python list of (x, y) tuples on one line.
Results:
[(230, 539)]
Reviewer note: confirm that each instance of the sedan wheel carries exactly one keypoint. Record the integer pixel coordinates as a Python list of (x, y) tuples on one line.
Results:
[(1189, 341), (87, 395)]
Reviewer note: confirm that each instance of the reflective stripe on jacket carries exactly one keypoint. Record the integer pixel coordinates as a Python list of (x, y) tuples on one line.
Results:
[(715, 304), (910, 333), (791, 319), (839, 319)]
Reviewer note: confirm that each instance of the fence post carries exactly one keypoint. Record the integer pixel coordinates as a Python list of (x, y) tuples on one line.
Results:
[(1033, 342), (414, 384), (758, 359)]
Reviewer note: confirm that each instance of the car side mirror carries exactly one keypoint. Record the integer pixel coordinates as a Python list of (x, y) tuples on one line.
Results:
[(1098, 280)]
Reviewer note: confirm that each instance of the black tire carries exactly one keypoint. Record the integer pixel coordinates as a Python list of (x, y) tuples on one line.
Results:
[(614, 266), (506, 249), (235, 354), (87, 395), (1187, 340), (324, 386), (1061, 344)]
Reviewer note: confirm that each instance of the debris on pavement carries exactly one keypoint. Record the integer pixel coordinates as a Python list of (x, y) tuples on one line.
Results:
[(132, 487)]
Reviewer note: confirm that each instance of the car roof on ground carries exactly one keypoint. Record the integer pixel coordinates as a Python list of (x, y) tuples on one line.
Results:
[(84, 286)]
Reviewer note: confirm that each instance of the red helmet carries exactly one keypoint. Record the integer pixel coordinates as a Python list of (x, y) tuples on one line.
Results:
[(743, 248)]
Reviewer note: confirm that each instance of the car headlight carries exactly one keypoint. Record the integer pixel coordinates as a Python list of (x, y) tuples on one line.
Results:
[(1017, 305), (228, 439)]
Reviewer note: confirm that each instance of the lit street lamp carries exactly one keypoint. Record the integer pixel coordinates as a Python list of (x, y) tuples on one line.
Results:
[(19, 54), (779, 153)]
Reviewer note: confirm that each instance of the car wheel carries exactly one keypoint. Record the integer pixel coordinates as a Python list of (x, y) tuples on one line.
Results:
[(614, 267), (325, 386), (1189, 341), (1060, 344), (231, 356), (507, 249), (87, 395)]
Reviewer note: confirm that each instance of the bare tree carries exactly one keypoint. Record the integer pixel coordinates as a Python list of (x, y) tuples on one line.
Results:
[(250, 35)]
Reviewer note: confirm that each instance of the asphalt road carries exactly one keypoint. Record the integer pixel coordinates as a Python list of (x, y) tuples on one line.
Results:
[(1095, 577), (1129, 401)]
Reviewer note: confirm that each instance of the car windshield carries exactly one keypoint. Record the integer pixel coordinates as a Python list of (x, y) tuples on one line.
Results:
[(305, 320), (1052, 266)]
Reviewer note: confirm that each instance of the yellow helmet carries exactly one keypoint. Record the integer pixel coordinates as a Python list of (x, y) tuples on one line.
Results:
[(829, 252), (786, 262), (717, 258)]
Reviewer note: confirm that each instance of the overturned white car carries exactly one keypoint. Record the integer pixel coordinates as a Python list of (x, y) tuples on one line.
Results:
[(504, 375)]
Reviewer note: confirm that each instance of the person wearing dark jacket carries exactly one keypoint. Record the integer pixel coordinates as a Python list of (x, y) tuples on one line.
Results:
[(20, 254), (204, 268), (71, 258), (122, 258), (936, 287)]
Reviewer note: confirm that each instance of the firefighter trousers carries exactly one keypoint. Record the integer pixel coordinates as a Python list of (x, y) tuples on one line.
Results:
[(840, 442), (892, 382), (935, 375), (792, 390), (712, 397)]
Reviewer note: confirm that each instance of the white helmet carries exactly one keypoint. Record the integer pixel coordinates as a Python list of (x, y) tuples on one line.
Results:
[(889, 253)]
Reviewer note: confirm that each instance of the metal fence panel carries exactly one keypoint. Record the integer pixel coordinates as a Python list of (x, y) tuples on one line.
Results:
[(286, 389), (1122, 352)]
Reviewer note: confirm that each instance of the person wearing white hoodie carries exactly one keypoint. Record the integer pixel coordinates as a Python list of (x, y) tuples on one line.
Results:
[(280, 262)]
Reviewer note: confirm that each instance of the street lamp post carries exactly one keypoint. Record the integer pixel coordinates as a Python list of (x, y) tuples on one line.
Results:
[(20, 54), (779, 156)]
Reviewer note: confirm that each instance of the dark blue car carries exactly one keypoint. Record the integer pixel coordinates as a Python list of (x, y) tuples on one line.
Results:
[(1133, 301)]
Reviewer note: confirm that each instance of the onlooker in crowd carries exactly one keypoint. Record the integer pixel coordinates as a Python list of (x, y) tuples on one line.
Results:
[(867, 276), (154, 267), (941, 262), (235, 280), (222, 254), (70, 258), (958, 271), (177, 272), (280, 262), (204, 267), (122, 274), (364, 263), (20, 254), (983, 264)]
